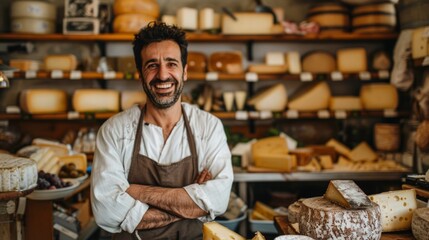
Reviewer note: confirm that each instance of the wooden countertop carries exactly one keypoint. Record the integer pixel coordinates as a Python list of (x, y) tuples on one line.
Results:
[(284, 228)]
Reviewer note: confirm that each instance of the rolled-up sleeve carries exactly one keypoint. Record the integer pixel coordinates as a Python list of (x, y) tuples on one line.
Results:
[(213, 195), (114, 210)]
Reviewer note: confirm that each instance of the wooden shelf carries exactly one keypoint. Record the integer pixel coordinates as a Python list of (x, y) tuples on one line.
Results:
[(239, 115), (208, 76), (205, 37)]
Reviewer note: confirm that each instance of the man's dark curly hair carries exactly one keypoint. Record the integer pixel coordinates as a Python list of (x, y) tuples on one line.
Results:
[(157, 32)]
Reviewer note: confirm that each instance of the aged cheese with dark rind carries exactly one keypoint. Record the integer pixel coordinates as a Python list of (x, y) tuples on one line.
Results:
[(347, 194), (420, 223), (322, 219)]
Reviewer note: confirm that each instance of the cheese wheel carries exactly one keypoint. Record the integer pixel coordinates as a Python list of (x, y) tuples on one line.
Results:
[(397, 209), (345, 103), (319, 62), (226, 62), (327, 7), (322, 219), (329, 16), (66, 62), (43, 101), (314, 98), (32, 25), (352, 60), (143, 7), (17, 173), (247, 23), (420, 224), (388, 8), (197, 62), (95, 100), (374, 29), (206, 19), (130, 98), (379, 96), (187, 18), (25, 64), (374, 20), (272, 99), (131, 22), (33, 9)]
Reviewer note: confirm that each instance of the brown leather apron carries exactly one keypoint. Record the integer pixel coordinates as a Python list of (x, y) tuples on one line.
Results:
[(146, 171)]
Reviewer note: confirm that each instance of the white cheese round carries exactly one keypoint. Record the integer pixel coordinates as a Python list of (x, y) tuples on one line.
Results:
[(16, 173)]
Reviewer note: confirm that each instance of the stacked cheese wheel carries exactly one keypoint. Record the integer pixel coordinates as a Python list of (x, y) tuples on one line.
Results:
[(374, 18), (33, 17), (330, 16), (132, 15)]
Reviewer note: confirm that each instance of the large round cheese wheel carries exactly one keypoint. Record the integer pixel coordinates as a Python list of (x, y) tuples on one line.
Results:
[(319, 62), (145, 7), (95, 100), (379, 96), (43, 101), (374, 20), (388, 8), (329, 16), (32, 25), (322, 219), (197, 62), (17, 173), (420, 224), (131, 22), (33, 9), (226, 62)]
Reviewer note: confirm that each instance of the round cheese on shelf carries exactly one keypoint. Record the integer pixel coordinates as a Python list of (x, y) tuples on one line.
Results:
[(131, 22), (32, 25), (226, 62), (17, 173), (95, 100), (33, 9), (329, 16), (144, 7), (379, 96), (319, 62), (322, 219), (420, 223), (43, 101), (197, 62)]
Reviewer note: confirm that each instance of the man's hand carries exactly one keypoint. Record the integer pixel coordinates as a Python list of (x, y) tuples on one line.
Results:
[(155, 218), (203, 177)]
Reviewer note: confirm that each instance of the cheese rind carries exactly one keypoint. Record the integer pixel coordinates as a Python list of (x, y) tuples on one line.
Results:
[(216, 231), (43, 101), (420, 223), (32, 25), (322, 219), (347, 194), (17, 173), (397, 209)]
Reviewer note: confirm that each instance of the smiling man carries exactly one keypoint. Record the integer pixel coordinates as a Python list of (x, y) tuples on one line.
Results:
[(161, 169)]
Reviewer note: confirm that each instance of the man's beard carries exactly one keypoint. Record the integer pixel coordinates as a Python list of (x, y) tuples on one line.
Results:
[(163, 103)]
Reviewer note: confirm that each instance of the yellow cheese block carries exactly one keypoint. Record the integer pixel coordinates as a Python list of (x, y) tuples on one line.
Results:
[(129, 98), (363, 152), (379, 96), (25, 64), (272, 99), (131, 22), (276, 161), (339, 147), (95, 100), (311, 99), (67, 62), (268, 69), (248, 23), (268, 144), (326, 161), (352, 60), (319, 62), (43, 101), (79, 159), (263, 211), (345, 103), (144, 7), (397, 209), (216, 231), (420, 43), (294, 62)]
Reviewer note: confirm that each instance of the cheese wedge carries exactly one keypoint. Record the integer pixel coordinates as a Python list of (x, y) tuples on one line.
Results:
[(272, 99), (363, 152), (347, 194), (379, 96), (265, 211), (216, 231), (397, 209), (258, 236), (311, 99)]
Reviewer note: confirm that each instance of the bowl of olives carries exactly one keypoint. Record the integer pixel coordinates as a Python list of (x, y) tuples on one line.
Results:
[(69, 171)]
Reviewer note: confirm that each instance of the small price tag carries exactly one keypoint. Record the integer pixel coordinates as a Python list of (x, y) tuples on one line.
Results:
[(241, 115), (9, 74), (383, 74), (292, 114), (365, 76), (390, 113), (323, 114), (212, 76), (306, 77), (75, 75), (55, 74), (72, 115), (337, 76), (266, 115), (251, 77), (13, 109), (109, 75), (425, 61), (340, 114), (254, 114), (30, 74)]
